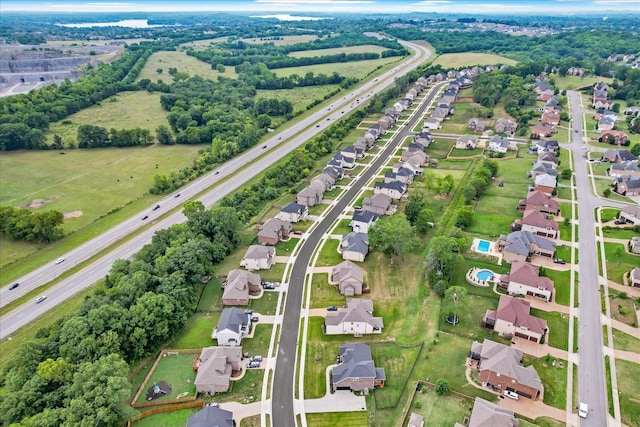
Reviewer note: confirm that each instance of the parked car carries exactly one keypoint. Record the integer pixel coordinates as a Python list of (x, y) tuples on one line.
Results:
[(156, 207), (619, 222), (248, 311), (256, 358), (559, 261), (332, 308), (511, 394), (255, 319), (15, 285), (40, 299), (583, 410), (59, 260), (253, 364)]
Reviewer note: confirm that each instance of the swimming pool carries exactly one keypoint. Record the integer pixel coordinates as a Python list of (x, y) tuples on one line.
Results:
[(483, 246), (484, 274)]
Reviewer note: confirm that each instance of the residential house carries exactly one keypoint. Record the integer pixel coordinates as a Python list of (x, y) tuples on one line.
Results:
[(273, 231), (547, 146), (293, 212), (540, 201), (356, 371), (379, 204), (311, 195), (519, 245), (619, 156), (355, 318), (616, 137), (414, 146), (498, 144), (552, 119), (634, 277), (630, 215), (395, 189), (548, 158), (239, 284), (215, 366), (634, 245), (540, 168), (627, 186), (259, 257), (360, 145), (440, 114), (325, 180), (414, 166), (349, 277), (419, 156), (600, 86), (422, 138), (632, 111), (355, 246), (415, 420), (399, 107), (467, 142), (605, 113), (376, 129), (344, 162), (362, 221), (545, 182), (431, 123), (606, 123), (512, 318), (501, 369), (476, 125), (505, 126), (368, 139), (524, 279), (210, 416), (545, 95), (575, 71), (543, 130), (552, 105), (487, 414), (234, 324), (540, 86), (386, 122), (626, 168), (536, 223)]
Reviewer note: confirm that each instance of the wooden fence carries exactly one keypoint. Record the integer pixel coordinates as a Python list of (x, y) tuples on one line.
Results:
[(148, 412)]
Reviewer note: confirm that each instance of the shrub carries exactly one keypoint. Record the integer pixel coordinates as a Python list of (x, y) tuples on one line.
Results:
[(442, 386)]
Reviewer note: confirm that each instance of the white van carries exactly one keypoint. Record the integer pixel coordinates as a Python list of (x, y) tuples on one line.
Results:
[(583, 409), (511, 394)]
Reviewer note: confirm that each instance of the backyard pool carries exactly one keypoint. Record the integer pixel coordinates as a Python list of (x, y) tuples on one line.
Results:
[(483, 246), (484, 274)]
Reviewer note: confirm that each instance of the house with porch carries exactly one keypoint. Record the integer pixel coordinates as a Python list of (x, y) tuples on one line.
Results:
[(215, 366), (349, 277), (356, 318), (525, 279), (362, 221), (233, 325), (259, 257), (512, 319), (500, 368), (519, 245), (356, 370)]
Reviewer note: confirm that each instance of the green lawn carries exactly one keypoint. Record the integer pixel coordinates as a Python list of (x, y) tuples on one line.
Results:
[(619, 261), (607, 214), (246, 390), (561, 283), (439, 410), (626, 342), (358, 69), (558, 324), (397, 362), (329, 255), (259, 344), (183, 63), (554, 379), (166, 419), (440, 148), (177, 371), (300, 97), (619, 233), (197, 332), (622, 309), (472, 310), (285, 248), (331, 419), (627, 374), (470, 59), (494, 215), (575, 82), (367, 48), (266, 304), (323, 294)]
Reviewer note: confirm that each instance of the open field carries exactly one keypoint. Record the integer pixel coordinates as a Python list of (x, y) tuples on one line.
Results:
[(470, 59), (574, 82), (300, 97), (358, 69), (183, 63), (628, 374), (369, 48), (126, 110)]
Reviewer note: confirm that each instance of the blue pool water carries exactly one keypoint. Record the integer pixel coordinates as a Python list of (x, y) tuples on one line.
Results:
[(483, 246), (484, 274)]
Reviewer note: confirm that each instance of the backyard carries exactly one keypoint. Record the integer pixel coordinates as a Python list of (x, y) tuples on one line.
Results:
[(177, 371), (619, 261), (553, 374)]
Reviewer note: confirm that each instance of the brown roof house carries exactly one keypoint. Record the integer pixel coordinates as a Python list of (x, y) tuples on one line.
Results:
[(238, 285), (355, 246), (618, 156), (630, 214), (356, 371), (476, 125), (349, 277), (419, 156), (540, 201), (379, 204), (505, 126), (467, 142), (501, 369), (259, 257), (519, 245), (543, 130), (215, 366), (524, 279), (274, 231), (487, 414), (626, 168), (537, 223), (634, 277), (627, 186), (616, 137), (356, 319), (512, 318)]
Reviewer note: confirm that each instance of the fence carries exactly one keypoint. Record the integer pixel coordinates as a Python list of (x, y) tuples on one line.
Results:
[(148, 412), (422, 383)]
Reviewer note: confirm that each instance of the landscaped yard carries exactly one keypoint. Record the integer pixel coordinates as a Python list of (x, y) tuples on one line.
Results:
[(554, 379), (331, 419), (626, 342), (440, 410), (619, 261), (558, 324), (329, 255), (627, 374), (177, 371)]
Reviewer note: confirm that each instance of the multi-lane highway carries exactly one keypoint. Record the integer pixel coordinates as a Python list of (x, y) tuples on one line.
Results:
[(283, 380), (225, 179)]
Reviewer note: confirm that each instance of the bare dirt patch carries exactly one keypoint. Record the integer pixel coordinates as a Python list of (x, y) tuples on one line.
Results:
[(37, 203), (74, 214)]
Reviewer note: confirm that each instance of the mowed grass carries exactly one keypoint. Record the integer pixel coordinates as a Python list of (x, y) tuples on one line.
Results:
[(554, 379), (626, 342), (558, 324), (183, 63), (358, 69), (177, 371), (331, 419), (574, 82), (619, 261), (440, 411), (166, 419), (126, 110), (300, 97), (629, 388), (369, 48), (469, 59)]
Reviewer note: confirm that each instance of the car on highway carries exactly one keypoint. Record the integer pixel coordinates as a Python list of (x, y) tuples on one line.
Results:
[(156, 207), (177, 195), (332, 308), (145, 217), (511, 394), (559, 261), (264, 146), (583, 410), (15, 285), (576, 131), (59, 260), (40, 299)]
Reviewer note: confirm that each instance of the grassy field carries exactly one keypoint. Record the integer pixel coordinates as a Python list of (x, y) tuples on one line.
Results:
[(183, 63), (558, 324), (70, 182), (177, 371), (628, 374), (358, 69), (300, 97), (618, 261), (126, 110), (622, 309), (554, 379), (369, 48), (574, 82), (470, 59)]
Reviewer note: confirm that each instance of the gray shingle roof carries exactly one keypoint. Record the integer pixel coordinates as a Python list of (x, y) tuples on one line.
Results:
[(211, 416), (356, 363), (233, 319), (293, 208)]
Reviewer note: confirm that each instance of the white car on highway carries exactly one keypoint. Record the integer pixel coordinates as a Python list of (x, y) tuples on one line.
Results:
[(59, 260)]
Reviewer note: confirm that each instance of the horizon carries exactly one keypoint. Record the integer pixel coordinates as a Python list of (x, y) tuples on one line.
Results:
[(297, 7)]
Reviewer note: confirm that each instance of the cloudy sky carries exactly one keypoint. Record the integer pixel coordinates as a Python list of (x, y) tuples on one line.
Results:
[(329, 6)]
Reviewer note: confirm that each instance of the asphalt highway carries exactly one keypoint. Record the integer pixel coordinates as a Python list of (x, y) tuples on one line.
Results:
[(283, 380), (240, 170)]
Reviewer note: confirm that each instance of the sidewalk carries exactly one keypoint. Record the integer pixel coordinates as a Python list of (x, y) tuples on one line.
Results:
[(535, 408), (616, 324)]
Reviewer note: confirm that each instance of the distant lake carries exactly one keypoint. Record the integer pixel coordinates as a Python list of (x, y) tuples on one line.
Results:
[(128, 23), (290, 18)]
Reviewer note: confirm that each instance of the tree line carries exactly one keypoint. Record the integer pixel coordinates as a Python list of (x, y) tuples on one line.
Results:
[(28, 226), (91, 136)]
